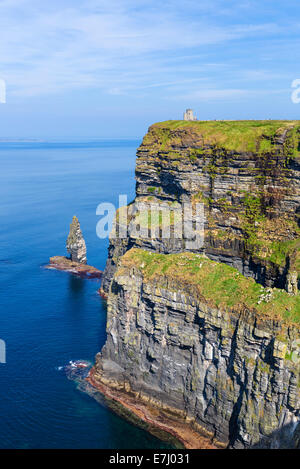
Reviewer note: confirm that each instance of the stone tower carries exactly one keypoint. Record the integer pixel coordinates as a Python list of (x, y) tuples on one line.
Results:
[(188, 115), (75, 243)]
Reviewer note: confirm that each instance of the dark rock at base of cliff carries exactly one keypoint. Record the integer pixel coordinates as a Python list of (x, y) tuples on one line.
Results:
[(164, 423)]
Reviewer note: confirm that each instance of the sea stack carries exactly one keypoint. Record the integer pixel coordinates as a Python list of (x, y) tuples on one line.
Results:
[(76, 247), (75, 243)]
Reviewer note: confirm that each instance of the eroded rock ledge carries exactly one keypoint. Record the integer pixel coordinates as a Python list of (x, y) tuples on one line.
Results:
[(76, 268)]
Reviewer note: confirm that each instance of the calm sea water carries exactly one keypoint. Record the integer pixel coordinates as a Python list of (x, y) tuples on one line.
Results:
[(47, 317)]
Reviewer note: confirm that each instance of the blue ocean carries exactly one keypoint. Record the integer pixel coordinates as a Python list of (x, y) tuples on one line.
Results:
[(47, 317)]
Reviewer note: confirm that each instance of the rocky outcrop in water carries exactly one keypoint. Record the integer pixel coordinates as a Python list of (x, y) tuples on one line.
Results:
[(75, 243), (75, 265), (75, 268)]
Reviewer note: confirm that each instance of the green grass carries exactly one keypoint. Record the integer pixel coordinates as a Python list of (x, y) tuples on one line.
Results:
[(256, 136), (281, 249), (220, 285), (262, 244)]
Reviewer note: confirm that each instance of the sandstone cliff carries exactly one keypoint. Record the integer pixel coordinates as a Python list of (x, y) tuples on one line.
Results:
[(210, 337)]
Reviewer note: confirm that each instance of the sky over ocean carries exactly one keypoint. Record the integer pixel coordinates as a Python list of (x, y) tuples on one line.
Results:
[(111, 68)]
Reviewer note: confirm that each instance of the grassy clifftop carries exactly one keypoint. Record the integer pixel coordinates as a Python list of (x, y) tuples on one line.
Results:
[(221, 285), (255, 136)]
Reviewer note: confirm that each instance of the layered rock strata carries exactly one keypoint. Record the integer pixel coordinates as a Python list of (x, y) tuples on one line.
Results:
[(246, 173), (229, 373)]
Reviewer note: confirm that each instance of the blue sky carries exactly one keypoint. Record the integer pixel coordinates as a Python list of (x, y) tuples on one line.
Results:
[(110, 68)]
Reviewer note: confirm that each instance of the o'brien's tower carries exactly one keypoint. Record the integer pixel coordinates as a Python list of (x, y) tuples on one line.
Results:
[(188, 115)]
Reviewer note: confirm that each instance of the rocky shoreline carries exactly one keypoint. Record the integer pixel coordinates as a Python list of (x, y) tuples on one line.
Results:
[(158, 422)]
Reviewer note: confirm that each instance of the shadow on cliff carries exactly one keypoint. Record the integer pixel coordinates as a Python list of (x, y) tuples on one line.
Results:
[(288, 437)]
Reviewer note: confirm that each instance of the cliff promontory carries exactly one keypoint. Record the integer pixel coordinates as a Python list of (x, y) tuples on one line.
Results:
[(246, 173), (204, 339)]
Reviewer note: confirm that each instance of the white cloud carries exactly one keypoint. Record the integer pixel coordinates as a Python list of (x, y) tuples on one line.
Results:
[(208, 94), (117, 46)]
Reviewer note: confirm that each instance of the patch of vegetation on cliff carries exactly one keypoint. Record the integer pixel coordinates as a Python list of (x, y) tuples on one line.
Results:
[(218, 284), (252, 217), (270, 238), (240, 136)]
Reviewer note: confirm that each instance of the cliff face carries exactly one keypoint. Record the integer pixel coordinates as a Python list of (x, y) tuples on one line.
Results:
[(209, 338), (228, 372), (247, 175)]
